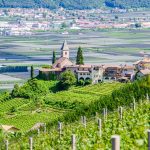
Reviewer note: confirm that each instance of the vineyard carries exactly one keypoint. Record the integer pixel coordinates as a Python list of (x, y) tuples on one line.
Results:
[(130, 123), (55, 104), (107, 109), (25, 116), (6, 106), (78, 96)]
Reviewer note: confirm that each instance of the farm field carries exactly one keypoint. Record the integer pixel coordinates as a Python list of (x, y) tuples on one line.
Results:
[(132, 126), (103, 46), (100, 47)]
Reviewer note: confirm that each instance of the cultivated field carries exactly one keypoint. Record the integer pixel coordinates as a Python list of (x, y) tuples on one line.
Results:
[(103, 46)]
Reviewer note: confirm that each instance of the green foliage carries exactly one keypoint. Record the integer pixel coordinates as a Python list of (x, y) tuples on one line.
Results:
[(138, 25), (127, 3), (78, 97), (63, 25), (67, 79), (132, 130), (15, 91), (50, 76), (54, 57), (32, 89), (13, 109), (5, 96), (79, 58), (81, 82), (72, 4), (88, 82), (14, 103)]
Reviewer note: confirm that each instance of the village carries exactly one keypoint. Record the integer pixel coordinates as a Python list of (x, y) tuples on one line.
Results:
[(27, 21), (96, 73)]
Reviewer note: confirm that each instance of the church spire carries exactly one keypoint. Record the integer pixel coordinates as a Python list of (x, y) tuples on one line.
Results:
[(65, 50)]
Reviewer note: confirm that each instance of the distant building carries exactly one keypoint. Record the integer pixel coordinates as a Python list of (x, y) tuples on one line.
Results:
[(112, 72), (128, 72), (95, 73), (59, 66), (10, 129), (143, 64), (143, 73)]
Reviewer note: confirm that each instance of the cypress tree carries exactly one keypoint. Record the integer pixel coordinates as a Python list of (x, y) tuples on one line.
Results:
[(32, 72), (79, 58), (54, 57)]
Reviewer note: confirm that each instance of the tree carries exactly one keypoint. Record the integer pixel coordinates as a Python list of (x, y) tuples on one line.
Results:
[(138, 25), (15, 91), (79, 58), (88, 82), (54, 57), (67, 79), (63, 25), (32, 72), (81, 82)]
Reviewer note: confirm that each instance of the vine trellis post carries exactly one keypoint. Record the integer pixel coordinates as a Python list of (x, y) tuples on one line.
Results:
[(73, 138), (115, 142)]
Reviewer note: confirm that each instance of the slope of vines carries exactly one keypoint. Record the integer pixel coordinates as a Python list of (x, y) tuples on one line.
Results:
[(132, 129)]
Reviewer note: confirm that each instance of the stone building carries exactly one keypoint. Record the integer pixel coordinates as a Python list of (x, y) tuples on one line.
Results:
[(95, 73)]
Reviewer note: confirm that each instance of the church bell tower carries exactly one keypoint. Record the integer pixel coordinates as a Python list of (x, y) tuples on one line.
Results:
[(65, 50)]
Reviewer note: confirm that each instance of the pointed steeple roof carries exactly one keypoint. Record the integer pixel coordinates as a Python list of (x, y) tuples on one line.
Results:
[(65, 46)]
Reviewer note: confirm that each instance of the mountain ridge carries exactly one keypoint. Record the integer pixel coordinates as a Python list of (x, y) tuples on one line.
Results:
[(74, 4)]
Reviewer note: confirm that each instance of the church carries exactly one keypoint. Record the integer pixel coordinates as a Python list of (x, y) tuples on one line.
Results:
[(59, 66), (84, 72), (95, 73)]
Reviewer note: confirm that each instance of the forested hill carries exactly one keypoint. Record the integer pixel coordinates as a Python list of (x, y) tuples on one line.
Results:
[(75, 4), (52, 4), (128, 3)]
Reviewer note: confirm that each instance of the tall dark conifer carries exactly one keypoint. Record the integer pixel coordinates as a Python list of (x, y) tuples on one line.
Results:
[(32, 72), (54, 57), (79, 58)]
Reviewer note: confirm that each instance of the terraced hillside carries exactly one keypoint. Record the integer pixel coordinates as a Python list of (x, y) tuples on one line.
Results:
[(95, 133), (42, 105), (23, 113)]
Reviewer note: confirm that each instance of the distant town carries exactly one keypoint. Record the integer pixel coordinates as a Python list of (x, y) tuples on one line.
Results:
[(18, 21)]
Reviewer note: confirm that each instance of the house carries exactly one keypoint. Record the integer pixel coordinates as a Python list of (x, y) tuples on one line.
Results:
[(112, 72), (87, 72), (9, 129), (142, 64), (128, 72), (142, 73)]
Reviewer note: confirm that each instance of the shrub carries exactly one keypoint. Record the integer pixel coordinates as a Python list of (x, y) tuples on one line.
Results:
[(88, 81), (67, 79), (81, 82)]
